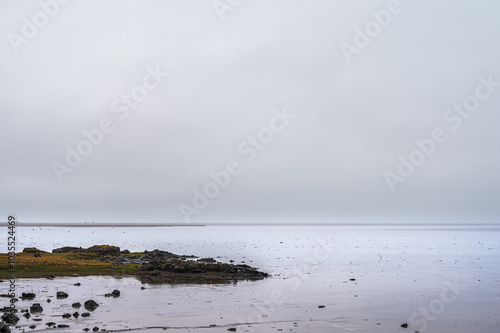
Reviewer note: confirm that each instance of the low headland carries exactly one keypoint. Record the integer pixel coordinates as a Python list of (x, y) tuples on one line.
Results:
[(155, 266)]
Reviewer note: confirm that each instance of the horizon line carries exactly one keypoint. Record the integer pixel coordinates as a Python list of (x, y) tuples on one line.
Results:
[(162, 224)]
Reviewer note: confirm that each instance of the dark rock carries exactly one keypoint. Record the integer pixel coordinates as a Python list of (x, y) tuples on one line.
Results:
[(352, 279), (31, 250), (76, 314), (8, 309), (91, 305), (78, 284), (86, 329), (321, 306), (155, 273), (27, 315), (37, 319), (152, 265), (61, 294), (95, 329), (76, 305), (62, 326), (179, 269), (66, 315), (67, 249), (10, 318), (142, 288), (114, 293), (125, 252), (4, 328), (33, 327), (104, 250), (36, 307), (404, 325), (85, 314), (232, 329), (28, 295), (209, 260), (49, 300), (37, 255), (52, 276), (50, 323)]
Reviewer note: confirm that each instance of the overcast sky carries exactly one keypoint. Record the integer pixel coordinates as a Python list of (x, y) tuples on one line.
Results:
[(308, 111)]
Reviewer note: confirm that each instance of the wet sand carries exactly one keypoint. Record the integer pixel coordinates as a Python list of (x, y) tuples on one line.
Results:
[(364, 279)]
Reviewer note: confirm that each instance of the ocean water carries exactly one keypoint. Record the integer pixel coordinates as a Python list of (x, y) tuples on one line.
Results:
[(323, 279)]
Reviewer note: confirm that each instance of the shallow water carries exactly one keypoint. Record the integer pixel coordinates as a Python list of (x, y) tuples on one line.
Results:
[(434, 279)]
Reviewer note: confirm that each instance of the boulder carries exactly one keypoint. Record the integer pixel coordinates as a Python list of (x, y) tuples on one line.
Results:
[(104, 250), (67, 249), (114, 293), (28, 295), (35, 308), (90, 305), (4, 328), (209, 260), (61, 294), (10, 318), (31, 250)]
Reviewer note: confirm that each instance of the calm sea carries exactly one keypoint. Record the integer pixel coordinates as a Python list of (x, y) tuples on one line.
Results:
[(323, 279)]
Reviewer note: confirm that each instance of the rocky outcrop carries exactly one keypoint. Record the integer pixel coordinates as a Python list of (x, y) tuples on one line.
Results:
[(32, 250), (67, 249), (177, 270), (99, 250), (102, 250)]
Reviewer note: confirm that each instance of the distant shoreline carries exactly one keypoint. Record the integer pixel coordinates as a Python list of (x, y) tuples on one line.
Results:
[(109, 225)]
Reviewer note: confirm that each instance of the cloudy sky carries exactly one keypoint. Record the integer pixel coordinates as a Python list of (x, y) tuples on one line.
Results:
[(302, 111)]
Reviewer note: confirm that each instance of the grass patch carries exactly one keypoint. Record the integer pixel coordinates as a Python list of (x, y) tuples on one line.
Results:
[(61, 264)]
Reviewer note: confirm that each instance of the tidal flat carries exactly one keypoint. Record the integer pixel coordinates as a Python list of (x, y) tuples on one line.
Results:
[(321, 279)]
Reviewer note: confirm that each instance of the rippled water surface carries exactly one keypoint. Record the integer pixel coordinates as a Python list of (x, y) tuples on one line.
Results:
[(323, 279)]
